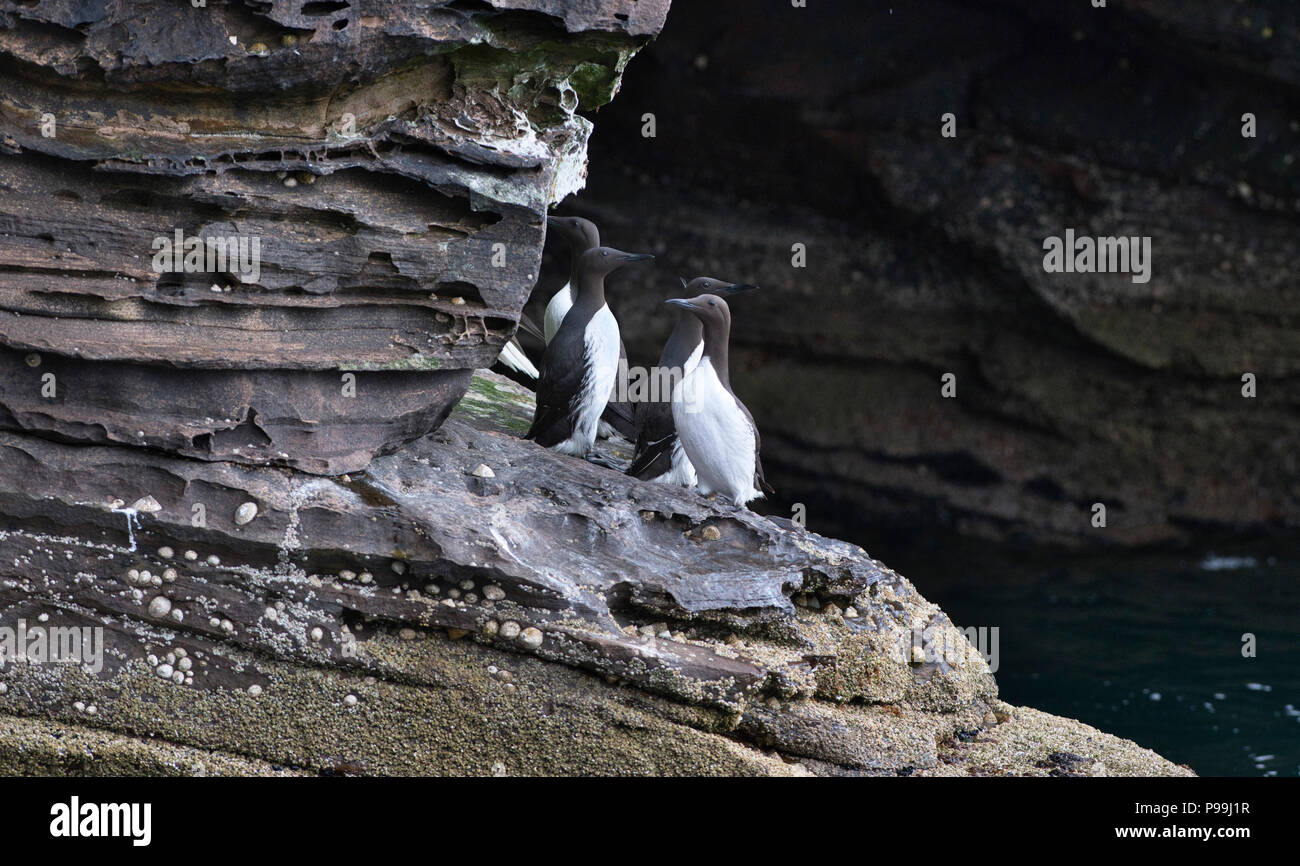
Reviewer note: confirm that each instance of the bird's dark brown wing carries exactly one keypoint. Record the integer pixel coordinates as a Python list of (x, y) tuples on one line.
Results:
[(558, 388), (656, 434), (760, 483)]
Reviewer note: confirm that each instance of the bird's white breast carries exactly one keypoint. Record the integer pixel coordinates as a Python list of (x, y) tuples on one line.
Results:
[(694, 359), (601, 341), (556, 309), (683, 471), (716, 435)]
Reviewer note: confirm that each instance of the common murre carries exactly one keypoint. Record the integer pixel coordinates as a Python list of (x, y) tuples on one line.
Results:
[(581, 361), (715, 428), (659, 454), (582, 235)]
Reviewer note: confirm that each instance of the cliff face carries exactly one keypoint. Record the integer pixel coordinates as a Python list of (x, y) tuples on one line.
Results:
[(509, 610), (924, 255), (201, 473), (382, 170)]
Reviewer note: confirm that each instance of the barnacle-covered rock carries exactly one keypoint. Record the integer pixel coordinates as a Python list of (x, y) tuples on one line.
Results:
[(558, 617)]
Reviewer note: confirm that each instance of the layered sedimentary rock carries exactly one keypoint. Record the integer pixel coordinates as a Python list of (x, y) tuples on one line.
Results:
[(188, 459), (507, 609), (386, 167), (924, 255)]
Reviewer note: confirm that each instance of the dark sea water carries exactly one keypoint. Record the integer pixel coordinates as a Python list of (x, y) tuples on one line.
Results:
[(1146, 647)]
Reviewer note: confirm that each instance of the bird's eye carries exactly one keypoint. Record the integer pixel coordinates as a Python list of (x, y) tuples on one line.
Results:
[(711, 304), (604, 254)]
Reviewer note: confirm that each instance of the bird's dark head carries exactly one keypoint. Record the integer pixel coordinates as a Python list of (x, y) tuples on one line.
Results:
[(603, 260), (580, 234), (711, 310), (714, 286)]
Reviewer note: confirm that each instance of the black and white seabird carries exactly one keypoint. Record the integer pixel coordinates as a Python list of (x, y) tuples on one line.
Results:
[(581, 235), (715, 428), (581, 361), (659, 454)]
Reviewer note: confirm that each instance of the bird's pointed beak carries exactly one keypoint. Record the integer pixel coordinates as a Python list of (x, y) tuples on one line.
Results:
[(628, 258), (742, 287), (552, 222), (679, 302)]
